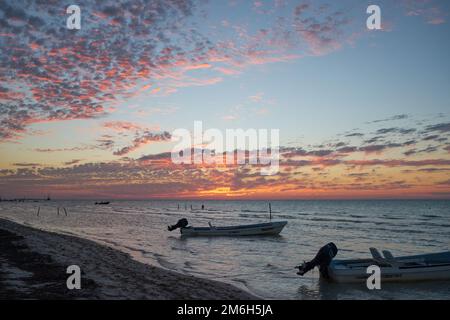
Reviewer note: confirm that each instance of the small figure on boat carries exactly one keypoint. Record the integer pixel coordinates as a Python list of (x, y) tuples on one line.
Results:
[(203, 207), (322, 260)]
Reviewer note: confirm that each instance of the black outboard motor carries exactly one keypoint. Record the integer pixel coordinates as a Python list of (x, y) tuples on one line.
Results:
[(322, 260), (182, 223)]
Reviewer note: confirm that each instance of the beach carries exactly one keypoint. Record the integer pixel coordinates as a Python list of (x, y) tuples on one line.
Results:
[(33, 265)]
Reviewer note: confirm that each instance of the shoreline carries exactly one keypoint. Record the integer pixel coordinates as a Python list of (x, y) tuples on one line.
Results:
[(33, 265)]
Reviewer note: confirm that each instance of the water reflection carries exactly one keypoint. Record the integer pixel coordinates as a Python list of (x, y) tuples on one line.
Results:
[(322, 289)]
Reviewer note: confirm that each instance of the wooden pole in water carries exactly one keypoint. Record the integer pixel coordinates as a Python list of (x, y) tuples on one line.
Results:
[(39, 210), (58, 211), (270, 211), (65, 211)]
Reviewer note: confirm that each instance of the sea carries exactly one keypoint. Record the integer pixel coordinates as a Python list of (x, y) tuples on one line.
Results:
[(262, 265)]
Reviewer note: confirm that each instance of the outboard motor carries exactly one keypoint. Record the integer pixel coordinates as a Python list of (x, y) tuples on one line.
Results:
[(182, 223), (322, 260)]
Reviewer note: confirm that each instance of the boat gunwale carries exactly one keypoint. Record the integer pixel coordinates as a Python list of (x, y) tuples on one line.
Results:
[(276, 224), (432, 258)]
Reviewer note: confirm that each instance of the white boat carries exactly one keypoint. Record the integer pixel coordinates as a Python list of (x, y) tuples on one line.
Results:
[(434, 266), (269, 228)]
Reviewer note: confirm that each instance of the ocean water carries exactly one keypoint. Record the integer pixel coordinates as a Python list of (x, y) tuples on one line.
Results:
[(261, 265)]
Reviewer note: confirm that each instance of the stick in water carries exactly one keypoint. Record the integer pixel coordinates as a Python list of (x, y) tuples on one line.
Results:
[(270, 211), (65, 211), (39, 210)]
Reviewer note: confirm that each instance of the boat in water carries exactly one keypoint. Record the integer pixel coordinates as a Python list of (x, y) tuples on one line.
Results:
[(433, 266), (268, 228), (102, 203)]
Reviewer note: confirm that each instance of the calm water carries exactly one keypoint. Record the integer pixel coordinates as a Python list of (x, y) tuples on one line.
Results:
[(262, 265)]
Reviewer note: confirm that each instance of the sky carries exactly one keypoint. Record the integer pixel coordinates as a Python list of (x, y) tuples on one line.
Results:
[(89, 113)]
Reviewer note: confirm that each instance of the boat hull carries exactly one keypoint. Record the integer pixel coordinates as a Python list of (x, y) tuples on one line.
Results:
[(271, 228), (411, 268)]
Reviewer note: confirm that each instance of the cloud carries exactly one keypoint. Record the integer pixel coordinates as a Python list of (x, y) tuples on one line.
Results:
[(348, 149), (258, 97), (322, 33), (386, 130), (356, 134), (410, 152), (198, 66), (400, 162), (49, 150), (72, 162), (379, 147), (121, 126), (26, 164), (440, 127), (433, 137), (433, 169), (300, 152), (227, 71), (395, 130), (146, 138), (127, 48), (57, 74), (303, 170), (430, 10), (374, 139), (393, 118), (445, 182)]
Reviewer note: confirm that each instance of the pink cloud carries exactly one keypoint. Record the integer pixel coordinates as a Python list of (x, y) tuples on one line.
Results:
[(121, 126), (227, 71), (430, 10), (142, 140), (198, 66)]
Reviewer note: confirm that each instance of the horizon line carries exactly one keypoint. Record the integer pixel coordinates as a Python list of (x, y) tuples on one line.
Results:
[(224, 199)]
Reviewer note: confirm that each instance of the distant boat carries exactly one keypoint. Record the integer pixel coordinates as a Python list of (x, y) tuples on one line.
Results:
[(269, 228), (433, 266), (102, 203)]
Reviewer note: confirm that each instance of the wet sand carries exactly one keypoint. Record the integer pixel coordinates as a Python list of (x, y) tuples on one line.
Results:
[(33, 265)]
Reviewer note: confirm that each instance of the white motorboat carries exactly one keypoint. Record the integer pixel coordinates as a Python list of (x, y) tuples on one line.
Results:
[(269, 228), (434, 266)]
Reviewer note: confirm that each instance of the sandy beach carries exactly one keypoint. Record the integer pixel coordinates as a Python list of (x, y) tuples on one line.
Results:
[(33, 265)]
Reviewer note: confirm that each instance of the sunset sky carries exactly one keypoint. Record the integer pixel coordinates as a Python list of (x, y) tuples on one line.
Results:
[(88, 113)]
